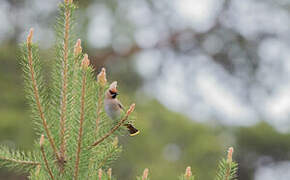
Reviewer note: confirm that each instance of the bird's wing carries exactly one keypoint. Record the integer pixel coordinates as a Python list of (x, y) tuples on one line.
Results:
[(121, 106)]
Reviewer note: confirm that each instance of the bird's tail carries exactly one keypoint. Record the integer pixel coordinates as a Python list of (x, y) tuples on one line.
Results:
[(132, 130)]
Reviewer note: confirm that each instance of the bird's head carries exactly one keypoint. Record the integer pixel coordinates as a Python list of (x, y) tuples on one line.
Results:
[(112, 91)]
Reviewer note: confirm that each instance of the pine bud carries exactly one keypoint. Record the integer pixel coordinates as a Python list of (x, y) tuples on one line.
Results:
[(116, 142), (131, 109), (188, 172), (145, 174), (102, 80), (100, 174), (37, 170), (41, 140), (85, 62), (109, 173), (68, 1), (78, 48), (230, 155), (29, 37)]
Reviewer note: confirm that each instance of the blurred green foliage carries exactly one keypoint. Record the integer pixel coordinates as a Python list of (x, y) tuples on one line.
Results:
[(198, 144), (15, 125)]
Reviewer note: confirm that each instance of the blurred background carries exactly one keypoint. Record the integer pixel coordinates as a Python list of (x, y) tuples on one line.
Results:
[(205, 75)]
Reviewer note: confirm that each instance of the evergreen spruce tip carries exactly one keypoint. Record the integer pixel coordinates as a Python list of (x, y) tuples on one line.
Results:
[(230, 155), (102, 79), (78, 48), (100, 174), (41, 141), (85, 62), (116, 142), (30, 35), (109, 172), (131, 109), (145, 174), (188, 172)]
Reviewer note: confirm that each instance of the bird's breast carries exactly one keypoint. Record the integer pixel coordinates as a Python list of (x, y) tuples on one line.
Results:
[(112, 109)]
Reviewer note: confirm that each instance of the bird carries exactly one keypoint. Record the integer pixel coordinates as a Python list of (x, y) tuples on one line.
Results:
[(114, 107)]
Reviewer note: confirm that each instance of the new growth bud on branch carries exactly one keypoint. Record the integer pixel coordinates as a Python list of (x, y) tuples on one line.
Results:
[(188, 172), (102, 79), (100, 174), (41, 141), (230, 155), (29, 37), (109, 172), (85, 62), (115, 142), (131, 109), (68, 1), (145, 174), (78, 48)]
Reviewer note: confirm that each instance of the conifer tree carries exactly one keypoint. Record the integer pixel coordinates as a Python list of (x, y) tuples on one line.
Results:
[(77, 139)]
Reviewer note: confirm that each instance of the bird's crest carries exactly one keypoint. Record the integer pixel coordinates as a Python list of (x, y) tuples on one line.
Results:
[(113, 87)]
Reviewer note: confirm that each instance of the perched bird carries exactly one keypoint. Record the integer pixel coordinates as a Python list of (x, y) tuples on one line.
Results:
[(113, 107)]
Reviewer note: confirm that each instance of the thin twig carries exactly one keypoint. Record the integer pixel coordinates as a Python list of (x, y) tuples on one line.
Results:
[(20, 161), (46, 162), (36, 95), (121, 122), (64, 86), (82, 114)]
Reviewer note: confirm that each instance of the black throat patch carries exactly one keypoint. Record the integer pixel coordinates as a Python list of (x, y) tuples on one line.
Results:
[(113, 94)]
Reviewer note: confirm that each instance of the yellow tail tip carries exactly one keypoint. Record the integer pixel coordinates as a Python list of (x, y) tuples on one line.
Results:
[(134, 134)]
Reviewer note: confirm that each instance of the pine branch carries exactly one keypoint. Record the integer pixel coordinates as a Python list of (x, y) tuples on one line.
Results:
[(44, 157), (187, 175), (64, 85), (145, 175), (85, 64), (99, 107), (105, 160), (17, 160), (102, 81), (112, 151), (103, 155), (88, 126), (227, 169), (121, 122), (36, 93)]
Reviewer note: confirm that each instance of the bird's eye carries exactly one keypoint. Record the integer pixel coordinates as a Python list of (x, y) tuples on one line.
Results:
[(113, 94)]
